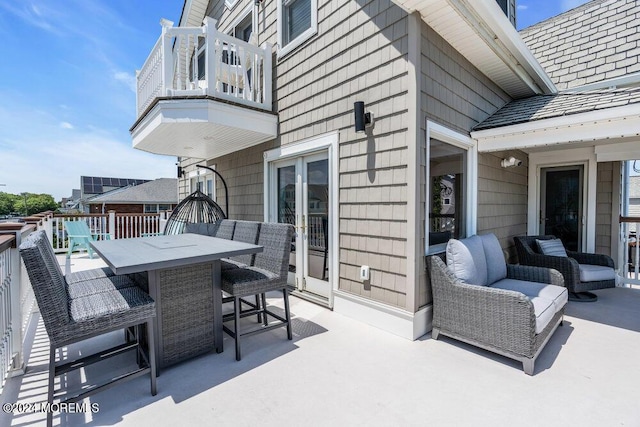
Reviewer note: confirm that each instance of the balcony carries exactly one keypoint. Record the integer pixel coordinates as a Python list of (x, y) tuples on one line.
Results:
[(202, 93), (336, 370)]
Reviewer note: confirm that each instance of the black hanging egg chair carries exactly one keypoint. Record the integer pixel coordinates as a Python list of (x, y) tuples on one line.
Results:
[(196, 208)]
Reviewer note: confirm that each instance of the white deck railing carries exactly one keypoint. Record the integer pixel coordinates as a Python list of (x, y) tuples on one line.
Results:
[(188, 61), (629, 253), (6, 312), (117, 226)]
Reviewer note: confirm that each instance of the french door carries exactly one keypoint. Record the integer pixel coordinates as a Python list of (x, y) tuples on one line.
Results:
[(300, 196)]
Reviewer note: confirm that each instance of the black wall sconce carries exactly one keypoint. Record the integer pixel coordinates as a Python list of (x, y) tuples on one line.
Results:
[(180, 172), (363, 120)]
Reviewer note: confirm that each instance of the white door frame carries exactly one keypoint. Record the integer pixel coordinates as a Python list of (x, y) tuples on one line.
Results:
[(558, 158), (329, 142)]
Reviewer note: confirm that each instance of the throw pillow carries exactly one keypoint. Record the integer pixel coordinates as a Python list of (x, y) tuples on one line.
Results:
[(552, 247)]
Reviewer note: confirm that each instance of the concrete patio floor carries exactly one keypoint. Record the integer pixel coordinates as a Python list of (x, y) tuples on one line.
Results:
[(338, 371)]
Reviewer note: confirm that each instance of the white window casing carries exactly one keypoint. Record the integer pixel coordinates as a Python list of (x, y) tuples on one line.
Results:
[(297, 22)]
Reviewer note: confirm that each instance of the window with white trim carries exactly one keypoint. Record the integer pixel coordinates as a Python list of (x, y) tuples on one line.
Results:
[(298, 21), (451, 187), (203, 181)]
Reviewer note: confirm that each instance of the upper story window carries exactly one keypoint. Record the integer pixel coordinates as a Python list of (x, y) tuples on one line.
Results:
[(298, 21)]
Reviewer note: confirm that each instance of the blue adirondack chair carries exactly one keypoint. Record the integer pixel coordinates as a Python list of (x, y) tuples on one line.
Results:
[(79, 235)]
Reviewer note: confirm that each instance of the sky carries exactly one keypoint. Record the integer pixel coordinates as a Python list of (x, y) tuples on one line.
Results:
[(67, 88), (67, 91), (531, 12)]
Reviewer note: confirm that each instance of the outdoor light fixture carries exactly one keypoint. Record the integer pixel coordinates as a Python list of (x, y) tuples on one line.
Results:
[(363, 120), (510, 162)]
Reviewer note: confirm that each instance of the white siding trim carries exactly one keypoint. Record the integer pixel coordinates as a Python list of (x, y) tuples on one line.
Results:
[(390, 319), (618, 122)]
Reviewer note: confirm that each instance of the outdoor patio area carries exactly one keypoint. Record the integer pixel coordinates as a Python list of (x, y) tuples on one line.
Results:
[(338, 371)]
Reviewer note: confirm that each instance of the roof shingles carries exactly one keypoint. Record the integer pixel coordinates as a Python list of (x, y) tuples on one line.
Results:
[(562, 104)]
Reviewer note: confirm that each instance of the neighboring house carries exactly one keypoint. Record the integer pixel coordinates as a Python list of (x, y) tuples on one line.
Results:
[(160, 195), (91, 186), (454, 91)]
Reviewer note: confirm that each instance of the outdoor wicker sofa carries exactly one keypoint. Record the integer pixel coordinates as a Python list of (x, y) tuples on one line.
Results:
[(511, 310), (84, 309), (582, 271)]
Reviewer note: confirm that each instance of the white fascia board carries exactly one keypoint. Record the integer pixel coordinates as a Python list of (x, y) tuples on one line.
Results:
[(619, 122), (618, 152), (515, 49)]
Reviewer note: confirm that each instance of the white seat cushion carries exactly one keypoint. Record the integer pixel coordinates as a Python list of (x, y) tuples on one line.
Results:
[(544, 310), (557, 294), (595, 273)]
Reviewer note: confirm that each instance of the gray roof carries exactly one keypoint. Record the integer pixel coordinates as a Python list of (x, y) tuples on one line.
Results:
[(563, 104), (597, 41), (162, 190)]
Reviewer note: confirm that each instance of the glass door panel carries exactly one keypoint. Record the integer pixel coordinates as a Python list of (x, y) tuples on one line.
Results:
[(562, 205), (316, 212), (286, 207)]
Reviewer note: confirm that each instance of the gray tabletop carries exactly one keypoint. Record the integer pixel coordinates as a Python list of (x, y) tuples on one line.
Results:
[(126, 256)]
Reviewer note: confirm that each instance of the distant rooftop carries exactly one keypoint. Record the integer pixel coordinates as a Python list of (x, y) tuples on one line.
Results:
[(98, 185), (162, 190), (597, 41)]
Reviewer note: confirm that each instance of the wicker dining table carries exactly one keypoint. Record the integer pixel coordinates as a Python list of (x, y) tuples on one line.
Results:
[(184, 279)]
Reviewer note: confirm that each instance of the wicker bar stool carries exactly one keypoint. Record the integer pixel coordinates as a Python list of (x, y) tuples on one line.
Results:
[(70, 320), (268, 273)]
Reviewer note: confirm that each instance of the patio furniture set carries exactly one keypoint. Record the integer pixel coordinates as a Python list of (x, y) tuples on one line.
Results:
[(512, 310), (164, 291)]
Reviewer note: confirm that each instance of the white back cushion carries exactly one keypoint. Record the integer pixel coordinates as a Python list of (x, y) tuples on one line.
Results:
[(466, 259)]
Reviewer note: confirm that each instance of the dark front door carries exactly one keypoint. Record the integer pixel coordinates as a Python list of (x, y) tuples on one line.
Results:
[(562, 205)]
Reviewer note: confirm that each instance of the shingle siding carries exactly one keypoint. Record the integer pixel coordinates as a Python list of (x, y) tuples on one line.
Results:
[(360, 53), (458, 96), (604, 206)]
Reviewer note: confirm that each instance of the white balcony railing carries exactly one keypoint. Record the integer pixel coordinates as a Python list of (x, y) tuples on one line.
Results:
[(188, 61), (629, 253)]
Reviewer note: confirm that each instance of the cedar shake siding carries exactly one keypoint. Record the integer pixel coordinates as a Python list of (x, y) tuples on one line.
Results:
[(502, 199), (458, 96), (604, 206)]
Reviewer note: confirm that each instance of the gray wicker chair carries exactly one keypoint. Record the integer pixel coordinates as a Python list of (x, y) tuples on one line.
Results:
[(267, 273), (92, 313), (528, 254)]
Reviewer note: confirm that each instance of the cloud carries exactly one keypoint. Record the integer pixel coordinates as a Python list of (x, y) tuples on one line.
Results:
[(522, 7), (126, 78), (40, 155)]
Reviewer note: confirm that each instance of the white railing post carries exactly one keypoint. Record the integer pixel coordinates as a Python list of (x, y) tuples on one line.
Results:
[(112, 225), (167, 57), (211, 54), (267, 76)]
